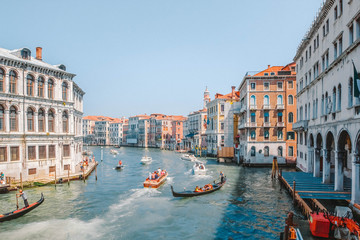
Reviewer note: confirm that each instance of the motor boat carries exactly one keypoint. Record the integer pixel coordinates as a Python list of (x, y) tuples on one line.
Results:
[(146, 160), (188, 157), (199, 169), (114, 152), (155, 183)]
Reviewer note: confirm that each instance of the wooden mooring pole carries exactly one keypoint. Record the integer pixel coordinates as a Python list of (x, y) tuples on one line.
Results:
[(21, 183), (69, 176), (55, 175), (294, 191), (95, 171), (84, 172)]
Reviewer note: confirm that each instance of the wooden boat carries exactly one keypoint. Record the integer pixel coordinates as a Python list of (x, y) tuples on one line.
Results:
[(4, 188), (22, 211), (119, 167), (146, 160), (155, 183), (199, 169), (216, 186), (188, 157)]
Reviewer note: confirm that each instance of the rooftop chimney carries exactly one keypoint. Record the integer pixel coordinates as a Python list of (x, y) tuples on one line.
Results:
[(269, 66), (39, 53), (233, 91)]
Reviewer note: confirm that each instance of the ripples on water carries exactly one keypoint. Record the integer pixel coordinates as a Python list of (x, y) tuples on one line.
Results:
[(249, 206)]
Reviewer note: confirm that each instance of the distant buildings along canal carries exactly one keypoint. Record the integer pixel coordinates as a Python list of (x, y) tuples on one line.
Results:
[(328, 103), (40, 116)]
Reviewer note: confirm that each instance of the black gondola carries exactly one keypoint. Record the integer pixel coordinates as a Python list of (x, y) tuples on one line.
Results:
[(119, 167), (20, 212), (216, 186)]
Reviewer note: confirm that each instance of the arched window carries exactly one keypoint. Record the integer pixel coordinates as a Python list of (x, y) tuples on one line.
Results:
[(280, 99), (51, 118), (2, 79), (13, 81), (41, 120), (339, 98), (41, 83), (64, 87), (291, 117), (253, 100), (334, 100), (65, 120), (30, 85), (291, 100), (266, 151), (351, 96), (280, 151), (2, 118), (13, 119), (51, 89), (266, 100), (30, 119), (253, 151)]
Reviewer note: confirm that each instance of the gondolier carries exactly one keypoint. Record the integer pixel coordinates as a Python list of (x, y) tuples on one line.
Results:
[(24, 197)]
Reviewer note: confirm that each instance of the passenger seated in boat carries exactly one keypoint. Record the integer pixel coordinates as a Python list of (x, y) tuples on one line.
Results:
[(197, 189), (2, 177), (153, 176)]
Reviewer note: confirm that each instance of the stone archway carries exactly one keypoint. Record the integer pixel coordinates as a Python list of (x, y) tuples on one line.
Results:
[(342, 160), (318, 156), (329, 157)]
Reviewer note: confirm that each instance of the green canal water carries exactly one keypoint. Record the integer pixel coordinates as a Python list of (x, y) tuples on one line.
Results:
[(116, 206)]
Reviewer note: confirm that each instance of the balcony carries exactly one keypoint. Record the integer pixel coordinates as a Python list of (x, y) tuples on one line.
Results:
[(253, 107), (280, 106), (267, 124), (266, 106), (251, 124), (300, 125), (280, 124)]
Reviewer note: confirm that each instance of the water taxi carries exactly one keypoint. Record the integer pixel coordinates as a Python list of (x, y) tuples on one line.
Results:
[(188, 157), (146, 160), (113, 151), (156, 182)]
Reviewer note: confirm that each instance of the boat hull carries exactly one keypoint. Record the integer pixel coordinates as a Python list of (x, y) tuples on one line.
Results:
[(119, 167), (22, 211), (155, 183)]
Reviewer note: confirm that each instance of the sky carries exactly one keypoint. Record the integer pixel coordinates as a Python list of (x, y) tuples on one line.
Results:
[(157, 56)]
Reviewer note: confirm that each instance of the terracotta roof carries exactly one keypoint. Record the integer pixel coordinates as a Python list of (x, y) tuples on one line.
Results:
[(102, 118), (269, 70), (228, 96)]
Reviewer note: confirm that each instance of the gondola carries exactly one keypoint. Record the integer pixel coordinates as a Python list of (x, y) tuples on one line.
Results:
[(119, 167), (20, 212), (216, 186)]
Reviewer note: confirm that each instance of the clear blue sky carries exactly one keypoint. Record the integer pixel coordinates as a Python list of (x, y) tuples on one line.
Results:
[(157, 56)]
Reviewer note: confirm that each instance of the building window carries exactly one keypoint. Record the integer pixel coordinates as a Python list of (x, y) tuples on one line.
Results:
[(280, 117), (253, 100), (14, 154), (253, 151), (280, 151), (41, 84), (41, 120), (301, 138), (280, 99), (32, 171), (64, 87), (52, 151), (30, 85), (339, 98), (334, 100), (2, 79), (65, 120), (327, 26), (222, 107), (253, 134), (350, 93), (290, 136), (340, 7), (291, 117), (266, 134), (351, 34), (291, 84), (266, 101), (51, 118), (51, 89), (66, 149), (335, 12), (252, 117), (13, 119), (291, 151), (30, 119), (13, 82), (266, 86), (2, 118), (266, 151), (3, 154), (253, 86), (280, 134), (42, 152), (31, 153), (222, 126), (335, 50), (290, 100), (266, 116)]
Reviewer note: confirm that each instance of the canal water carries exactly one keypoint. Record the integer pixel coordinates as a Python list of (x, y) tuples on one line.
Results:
[(116, 206)]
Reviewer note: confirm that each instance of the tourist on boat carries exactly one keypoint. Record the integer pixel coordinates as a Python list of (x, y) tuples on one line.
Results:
[(120, 163), (159, 171), (197, 189), (149, 175), (24, 197), (153, 176)]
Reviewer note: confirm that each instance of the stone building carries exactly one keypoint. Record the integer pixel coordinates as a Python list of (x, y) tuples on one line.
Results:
[(328, 104), (41, 109)]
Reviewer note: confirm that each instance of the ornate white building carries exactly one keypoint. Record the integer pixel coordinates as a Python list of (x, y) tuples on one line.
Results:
[(328, 108), (40, 116)]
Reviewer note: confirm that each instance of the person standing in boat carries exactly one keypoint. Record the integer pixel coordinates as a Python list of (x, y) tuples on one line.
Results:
[(221, 177), (24, 197), (120, 162)]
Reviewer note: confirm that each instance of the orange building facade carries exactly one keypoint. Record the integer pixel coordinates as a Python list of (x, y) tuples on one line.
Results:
[(267, 112)]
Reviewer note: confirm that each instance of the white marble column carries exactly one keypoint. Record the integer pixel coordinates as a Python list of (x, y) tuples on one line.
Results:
[(355, 183), (317, 162), (339, 172), (326, 165)]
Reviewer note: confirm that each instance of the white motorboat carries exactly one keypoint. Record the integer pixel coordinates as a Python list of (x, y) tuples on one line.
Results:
[(146, 160), (199, 169), (189, 157), (114, 152)]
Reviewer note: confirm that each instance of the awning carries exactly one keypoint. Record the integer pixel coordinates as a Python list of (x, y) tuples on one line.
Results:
[(266, 114), (280, 114)]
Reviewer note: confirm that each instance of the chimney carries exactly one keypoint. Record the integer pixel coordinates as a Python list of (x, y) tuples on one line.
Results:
[(39, 53), (269, 66), (232, 91)]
